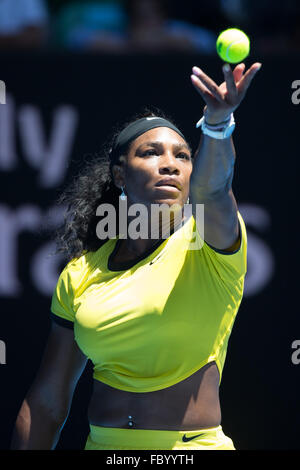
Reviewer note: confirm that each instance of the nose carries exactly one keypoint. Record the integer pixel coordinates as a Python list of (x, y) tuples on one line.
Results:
[(169, 164)]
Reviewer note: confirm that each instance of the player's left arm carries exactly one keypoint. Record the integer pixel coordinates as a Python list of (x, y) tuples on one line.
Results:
[(213, 166)]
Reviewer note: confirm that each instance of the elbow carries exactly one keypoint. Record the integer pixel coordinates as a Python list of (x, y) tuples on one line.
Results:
[(55, 413), (53, 409), (37, 426)]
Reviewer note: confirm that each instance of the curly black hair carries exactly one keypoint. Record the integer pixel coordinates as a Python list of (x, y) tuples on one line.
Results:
[(93, 186)]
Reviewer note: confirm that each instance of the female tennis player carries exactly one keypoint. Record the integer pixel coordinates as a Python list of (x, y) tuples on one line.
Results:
[(153, 315)]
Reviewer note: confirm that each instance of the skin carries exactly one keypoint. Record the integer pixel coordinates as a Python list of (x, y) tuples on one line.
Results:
[(153, 156), (194, 402), (213, 163)]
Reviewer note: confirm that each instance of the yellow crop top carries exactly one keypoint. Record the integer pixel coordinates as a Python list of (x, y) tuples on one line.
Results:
[(150, 326)]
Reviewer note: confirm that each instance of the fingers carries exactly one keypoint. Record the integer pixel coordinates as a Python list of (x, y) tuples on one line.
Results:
[(204, 92), (209, 83), (231, 92), (238, 72), (230, 81), (245, 81)]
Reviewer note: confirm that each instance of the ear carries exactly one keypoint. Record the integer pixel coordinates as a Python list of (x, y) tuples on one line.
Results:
[(118, 174)]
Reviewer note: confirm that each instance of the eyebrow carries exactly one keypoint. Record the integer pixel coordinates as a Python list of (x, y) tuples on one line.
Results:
[(158, 143)]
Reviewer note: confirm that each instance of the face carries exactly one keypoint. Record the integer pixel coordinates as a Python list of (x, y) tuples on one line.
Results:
[(158, 154)]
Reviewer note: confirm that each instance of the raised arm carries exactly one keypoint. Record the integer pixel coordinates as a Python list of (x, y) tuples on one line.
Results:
[(47, 404), (213, 166)]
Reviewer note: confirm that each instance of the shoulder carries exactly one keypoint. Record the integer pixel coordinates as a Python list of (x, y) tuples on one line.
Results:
[(65, 291), (73, 271), (82, 267)]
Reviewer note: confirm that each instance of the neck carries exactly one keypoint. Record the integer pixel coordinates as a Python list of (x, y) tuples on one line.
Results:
[(140, 245)]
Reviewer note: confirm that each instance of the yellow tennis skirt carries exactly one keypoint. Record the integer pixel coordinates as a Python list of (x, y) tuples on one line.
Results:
[(103, 438)]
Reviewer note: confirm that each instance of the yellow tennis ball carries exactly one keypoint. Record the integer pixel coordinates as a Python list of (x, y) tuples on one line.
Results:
[(233, 45)]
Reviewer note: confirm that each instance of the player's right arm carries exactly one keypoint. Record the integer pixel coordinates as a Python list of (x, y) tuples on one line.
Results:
[(48, 401)]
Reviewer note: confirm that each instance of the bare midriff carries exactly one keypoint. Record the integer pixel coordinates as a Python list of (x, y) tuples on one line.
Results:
[(188, 405), (191, 404)]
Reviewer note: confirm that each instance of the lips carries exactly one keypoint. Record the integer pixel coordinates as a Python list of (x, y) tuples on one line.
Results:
[(169, 182)]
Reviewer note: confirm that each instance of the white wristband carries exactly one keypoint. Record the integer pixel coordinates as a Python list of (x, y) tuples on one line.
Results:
[(218, 131)]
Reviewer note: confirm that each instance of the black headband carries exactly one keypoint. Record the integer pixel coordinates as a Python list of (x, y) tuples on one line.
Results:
[(134, 130)]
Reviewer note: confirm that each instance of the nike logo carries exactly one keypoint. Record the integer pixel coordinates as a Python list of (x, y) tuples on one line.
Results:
[(187, 439), (155, 259)]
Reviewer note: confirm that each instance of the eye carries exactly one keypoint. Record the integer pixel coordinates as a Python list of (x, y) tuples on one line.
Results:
[(149, 152), (184, 155)]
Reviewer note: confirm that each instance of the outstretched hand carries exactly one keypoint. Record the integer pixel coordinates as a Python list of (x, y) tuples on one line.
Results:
[(222, 100)]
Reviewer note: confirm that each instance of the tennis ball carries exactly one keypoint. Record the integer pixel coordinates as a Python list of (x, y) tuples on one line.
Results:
[(233, 45)]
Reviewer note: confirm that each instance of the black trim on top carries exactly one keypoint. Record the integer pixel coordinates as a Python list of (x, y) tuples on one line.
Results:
[(115, 266), (62, 321)]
